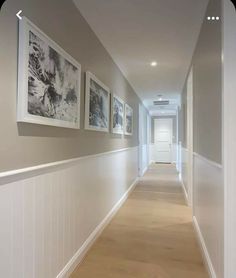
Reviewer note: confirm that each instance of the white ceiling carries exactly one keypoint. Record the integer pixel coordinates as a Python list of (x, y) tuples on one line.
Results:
[(136, 32)]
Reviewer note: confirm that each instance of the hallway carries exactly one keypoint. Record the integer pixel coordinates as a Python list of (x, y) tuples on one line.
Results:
[(96, 111), (151, 236)]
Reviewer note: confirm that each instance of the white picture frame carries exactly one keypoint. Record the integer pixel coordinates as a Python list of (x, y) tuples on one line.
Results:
[(129, 115), (49, 80), (117, 116), (97, 104)]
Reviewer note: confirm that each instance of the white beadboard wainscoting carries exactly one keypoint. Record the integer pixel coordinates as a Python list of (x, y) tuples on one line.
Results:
[(179, 159), (184, 172), (50, 214), (152, 153), (174, 153), (208, 205), (144, 159)]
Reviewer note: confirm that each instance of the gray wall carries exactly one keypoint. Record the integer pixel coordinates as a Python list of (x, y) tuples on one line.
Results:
[(207, 88), (208, 186), (164, 117), (27, 144)]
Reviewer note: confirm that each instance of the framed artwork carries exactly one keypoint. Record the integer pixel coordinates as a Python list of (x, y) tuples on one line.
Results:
[(128, 120), (97, 104), (48, 80), (117, 114)]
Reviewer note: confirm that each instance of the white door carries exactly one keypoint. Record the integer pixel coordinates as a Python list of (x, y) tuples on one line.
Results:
[(163, 140)]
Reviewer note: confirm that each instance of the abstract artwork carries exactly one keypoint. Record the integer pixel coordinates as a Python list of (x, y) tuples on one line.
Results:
[(128, 120), (117, 115), (97, 104), (49, 80)]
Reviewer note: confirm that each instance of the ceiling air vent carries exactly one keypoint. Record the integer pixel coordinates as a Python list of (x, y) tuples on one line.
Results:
[(161, 102)]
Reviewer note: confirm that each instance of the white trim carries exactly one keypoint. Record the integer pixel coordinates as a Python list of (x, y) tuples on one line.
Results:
[(215, 164), (229, 132), (185, 193), (174, 148), (177, 139), (179, 164), (186, 160), (169, 120), (144, 171), (140, 140), (190, 138), (19, 174), (143, 167), (79, 255), (183, 188), (205, 253), (185, 149), (148, 130)]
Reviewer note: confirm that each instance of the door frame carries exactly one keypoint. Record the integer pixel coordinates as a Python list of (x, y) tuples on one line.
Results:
[(140, 140), (148, 138), (190, 138), (171, 120)]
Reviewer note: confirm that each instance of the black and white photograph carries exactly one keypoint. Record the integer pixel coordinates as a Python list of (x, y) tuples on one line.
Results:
[(117, 115), (128, 120), (97, 104), (51, 78)]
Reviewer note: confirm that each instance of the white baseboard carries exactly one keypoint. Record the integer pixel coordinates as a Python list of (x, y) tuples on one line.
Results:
[(79, 255), (185, 193), (184, 190), (205, 253), (144, 171), (146, 168)]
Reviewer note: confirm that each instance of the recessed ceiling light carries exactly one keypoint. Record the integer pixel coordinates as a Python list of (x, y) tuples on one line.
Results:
[(153, 64)]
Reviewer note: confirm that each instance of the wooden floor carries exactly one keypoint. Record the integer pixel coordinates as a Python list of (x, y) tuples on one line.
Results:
[(150, 237)]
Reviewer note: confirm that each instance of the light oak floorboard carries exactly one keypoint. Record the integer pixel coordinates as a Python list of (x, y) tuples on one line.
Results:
[(151, 236)]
